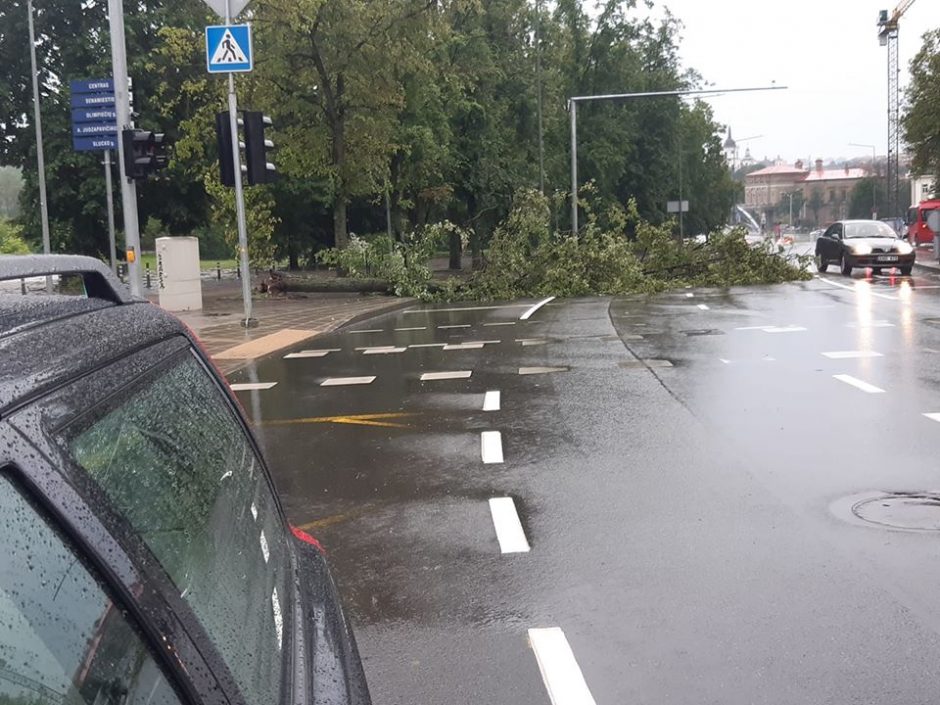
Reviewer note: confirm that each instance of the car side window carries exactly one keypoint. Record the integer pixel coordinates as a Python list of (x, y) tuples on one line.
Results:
[(837, 231), (177, 465), (62, 640)]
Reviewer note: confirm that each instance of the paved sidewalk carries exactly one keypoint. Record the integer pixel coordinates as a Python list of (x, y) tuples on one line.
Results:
[(282, 321)]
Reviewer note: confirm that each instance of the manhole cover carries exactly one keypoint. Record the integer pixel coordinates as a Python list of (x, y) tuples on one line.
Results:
[(703, 331), (908, 511)]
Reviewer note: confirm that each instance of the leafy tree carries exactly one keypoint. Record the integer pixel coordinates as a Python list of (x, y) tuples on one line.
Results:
[(921, 120), (11, 239), (866, 192)]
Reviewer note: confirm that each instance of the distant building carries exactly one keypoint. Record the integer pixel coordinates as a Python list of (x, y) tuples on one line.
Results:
[(922, 189), (824, 193)]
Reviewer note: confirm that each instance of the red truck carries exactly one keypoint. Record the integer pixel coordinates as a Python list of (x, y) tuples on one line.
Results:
[(918, 232)]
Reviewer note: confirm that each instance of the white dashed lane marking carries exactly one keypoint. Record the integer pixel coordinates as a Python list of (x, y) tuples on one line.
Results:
[(346, 381), (375, 347), (456, 325), (491, 401), (464, 346), (560, 670), (433, 376), (851, 354), (384, 351), (252, 386), (933, 416), (501, 323), (509, 530), (371, 330), (704, 307), (416, 328), (428, 345), (310, 353), (525, 316), (784, 329), (540, 370), (859, 384), (491, 447)]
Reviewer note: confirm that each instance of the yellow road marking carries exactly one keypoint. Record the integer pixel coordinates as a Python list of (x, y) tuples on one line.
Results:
[(335, 518), (352, 419)]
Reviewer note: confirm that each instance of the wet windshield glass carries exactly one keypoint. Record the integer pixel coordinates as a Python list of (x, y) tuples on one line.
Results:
[(868, 229)]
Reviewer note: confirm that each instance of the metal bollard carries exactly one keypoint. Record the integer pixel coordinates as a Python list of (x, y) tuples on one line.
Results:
[(148, 275), (238, 272), (218, 271), (23, 287)]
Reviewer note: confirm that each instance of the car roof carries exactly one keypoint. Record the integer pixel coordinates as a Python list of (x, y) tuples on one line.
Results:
[(46, 339)]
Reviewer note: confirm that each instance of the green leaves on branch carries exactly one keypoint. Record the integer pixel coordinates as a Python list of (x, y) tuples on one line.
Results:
[(527, 258), (11, 239)]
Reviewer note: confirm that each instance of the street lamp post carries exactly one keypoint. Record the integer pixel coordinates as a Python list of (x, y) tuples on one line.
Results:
[(573, 110), (874, 180), (37, 118)]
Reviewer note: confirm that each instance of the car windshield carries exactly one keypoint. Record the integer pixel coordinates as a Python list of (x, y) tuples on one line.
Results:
[(177, 465), (868, 229)]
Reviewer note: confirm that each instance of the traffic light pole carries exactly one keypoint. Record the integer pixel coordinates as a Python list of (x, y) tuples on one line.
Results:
[(243, 264), (123, 108)]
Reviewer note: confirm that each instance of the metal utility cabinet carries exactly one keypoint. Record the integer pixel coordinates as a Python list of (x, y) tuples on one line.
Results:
[(178, 272)]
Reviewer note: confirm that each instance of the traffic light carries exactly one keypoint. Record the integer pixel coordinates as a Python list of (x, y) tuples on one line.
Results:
[(223, 133), (144, 153), (260, 170)]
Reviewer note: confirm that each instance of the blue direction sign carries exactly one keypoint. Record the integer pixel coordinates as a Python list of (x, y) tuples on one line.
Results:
[(91, 144), (94, 119), (92, 85), (228, 48), (91, 100), (94, 128), (94, 115)]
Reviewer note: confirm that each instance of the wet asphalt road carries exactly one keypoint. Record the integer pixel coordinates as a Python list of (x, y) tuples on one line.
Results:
[(686, 481)]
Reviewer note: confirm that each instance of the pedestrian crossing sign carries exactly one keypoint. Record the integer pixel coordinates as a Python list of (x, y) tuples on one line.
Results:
[(228, 48)]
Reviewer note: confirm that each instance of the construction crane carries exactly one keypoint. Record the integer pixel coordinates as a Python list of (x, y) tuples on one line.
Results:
[(888, 36)]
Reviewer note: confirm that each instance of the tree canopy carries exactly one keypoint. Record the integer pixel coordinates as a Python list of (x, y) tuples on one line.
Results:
[(428, 107), (921, 120)]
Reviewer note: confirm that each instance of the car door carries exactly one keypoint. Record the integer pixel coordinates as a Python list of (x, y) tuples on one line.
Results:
[(835, 242), (65, 637), (826, 244), (154, 444)]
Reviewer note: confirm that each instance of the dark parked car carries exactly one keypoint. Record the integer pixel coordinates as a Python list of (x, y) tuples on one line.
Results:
[(863, 243), (146, 559)]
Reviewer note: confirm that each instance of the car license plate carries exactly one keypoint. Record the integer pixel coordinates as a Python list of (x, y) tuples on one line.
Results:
[(888, 258)]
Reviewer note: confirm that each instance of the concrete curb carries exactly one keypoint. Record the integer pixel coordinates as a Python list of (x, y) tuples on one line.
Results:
[(400, 303)]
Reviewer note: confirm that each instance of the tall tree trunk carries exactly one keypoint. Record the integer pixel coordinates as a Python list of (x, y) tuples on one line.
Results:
[(455, 251), (340, 196), (476, 223), (340, 235), (293, 262)]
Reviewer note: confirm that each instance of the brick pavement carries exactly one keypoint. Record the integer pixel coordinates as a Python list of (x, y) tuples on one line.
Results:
[(283, 321)]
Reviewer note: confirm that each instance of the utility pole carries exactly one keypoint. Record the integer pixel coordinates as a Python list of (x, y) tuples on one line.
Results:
[(243, 263), (538, 81), (40, 157), (125, 121), (109, 189), (573, 110)]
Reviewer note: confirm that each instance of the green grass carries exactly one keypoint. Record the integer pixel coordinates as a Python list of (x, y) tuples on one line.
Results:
[(149, 258)]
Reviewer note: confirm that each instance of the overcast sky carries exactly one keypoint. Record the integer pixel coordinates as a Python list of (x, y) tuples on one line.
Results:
[(826, 51)]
